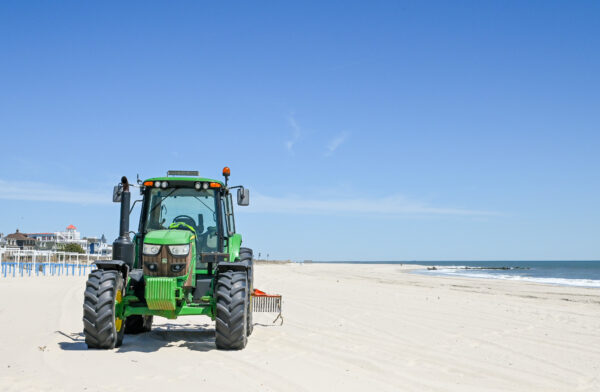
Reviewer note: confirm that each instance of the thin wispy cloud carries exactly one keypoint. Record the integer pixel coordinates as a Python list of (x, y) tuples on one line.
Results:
[(393, 205), (335, 143), (37, 191), (296, 133), (390, 205)]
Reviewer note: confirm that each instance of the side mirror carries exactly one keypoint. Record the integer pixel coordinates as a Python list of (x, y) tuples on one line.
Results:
[(243, 197), (117, 192)]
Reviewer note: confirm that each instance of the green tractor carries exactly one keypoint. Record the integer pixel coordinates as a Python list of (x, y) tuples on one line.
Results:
[(185, 259)]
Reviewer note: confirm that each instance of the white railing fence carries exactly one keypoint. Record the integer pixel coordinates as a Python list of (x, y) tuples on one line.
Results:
[(18, 262)]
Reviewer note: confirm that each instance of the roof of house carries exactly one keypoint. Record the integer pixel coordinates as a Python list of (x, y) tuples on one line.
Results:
[(71, 227), (19, 236)]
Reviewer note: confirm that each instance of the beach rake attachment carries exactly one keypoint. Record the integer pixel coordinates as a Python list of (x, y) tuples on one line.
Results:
[(267, 303)]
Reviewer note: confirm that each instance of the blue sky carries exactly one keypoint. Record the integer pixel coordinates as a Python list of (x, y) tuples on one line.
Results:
[(373, 131)]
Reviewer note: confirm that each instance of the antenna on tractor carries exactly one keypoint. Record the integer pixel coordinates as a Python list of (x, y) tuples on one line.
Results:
[(226, 174)]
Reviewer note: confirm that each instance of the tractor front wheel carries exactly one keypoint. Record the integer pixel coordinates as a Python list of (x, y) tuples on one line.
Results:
[(102, 327), (232, 307)]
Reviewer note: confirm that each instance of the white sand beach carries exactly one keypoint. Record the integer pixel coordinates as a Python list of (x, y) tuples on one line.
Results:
[(347, 327)]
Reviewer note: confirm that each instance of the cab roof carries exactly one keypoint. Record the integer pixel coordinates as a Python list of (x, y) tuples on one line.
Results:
[(191, 179)]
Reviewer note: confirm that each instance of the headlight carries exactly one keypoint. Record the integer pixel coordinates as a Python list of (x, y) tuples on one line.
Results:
[(164, 184), (151, 249), (197, 186), (157, 184), (179, 250), (205, 185), (177, 267), (152, 267)]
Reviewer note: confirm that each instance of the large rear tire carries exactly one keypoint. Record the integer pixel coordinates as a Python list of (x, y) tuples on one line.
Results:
[(102, 327), (138, 324), (232, 307), (246, 254)]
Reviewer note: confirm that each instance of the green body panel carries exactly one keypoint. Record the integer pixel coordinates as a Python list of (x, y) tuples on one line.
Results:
[(161, 293), (169, 237), (233, 248), (184, 310), (175, 237)]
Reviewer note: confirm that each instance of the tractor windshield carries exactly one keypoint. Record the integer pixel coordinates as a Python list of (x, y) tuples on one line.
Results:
[(184, 208)]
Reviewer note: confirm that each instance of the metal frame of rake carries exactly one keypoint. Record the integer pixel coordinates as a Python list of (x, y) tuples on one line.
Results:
[(267, 303)]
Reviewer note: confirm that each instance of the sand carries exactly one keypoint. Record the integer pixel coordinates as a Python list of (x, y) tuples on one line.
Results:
[(347, 327)]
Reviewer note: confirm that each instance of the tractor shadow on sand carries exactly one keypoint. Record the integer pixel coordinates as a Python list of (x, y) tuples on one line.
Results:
[(195, 337), (73, 342)]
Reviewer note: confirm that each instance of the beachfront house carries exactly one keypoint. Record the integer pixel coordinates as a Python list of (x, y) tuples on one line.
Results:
[(6, 243), (44, 241), (98, 246), (54, 241), (21, 241)]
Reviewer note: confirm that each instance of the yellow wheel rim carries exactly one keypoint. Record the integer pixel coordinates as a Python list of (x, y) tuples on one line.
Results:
[(118, 321)]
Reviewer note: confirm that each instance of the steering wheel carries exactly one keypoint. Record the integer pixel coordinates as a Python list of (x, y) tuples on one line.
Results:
[(188, 222)]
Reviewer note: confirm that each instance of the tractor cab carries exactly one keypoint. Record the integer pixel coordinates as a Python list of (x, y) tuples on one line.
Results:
[(200, 207), (197, 210)]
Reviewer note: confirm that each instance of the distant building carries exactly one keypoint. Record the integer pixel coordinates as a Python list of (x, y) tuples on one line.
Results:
[(98, 246), (20, 240), (6, 243), (54, 241), (44, 241), (43, 237), (71, 235)]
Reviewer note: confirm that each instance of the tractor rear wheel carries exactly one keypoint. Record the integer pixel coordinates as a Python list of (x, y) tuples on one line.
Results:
[(138, 324), (102, 327), (232, 308), (246, 254)]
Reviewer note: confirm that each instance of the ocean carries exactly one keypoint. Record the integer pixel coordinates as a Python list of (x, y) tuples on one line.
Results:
[(568, 273)]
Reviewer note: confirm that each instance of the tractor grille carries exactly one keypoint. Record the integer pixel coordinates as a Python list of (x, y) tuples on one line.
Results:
[(166, 265), (160, 293)]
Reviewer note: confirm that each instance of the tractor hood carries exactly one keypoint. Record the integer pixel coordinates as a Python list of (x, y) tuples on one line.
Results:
[(169, 237)]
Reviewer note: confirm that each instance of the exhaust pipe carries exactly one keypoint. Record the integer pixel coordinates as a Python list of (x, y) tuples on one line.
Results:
[(123, 248)]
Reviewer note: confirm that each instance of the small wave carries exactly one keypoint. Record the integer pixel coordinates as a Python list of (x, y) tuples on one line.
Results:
[(479, 268), (555, 281)]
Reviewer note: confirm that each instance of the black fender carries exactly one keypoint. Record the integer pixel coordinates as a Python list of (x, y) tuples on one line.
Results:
[(242, 265), (117, 265), (238, 265)]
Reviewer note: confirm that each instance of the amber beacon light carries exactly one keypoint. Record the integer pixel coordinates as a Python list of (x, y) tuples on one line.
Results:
[(226, 173)]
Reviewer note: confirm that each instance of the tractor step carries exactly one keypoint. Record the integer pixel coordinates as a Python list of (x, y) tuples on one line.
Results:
[(267, 303), (202, 288)]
